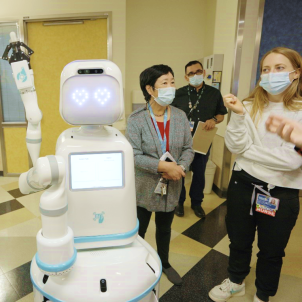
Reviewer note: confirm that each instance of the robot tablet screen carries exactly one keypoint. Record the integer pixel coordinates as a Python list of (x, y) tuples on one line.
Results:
[(102, 170)]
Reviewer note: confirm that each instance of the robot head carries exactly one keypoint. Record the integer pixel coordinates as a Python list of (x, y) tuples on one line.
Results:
[(91, 93)]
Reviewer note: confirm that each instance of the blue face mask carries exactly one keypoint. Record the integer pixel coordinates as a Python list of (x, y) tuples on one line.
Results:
[(196, 80), (275, 82), (165, 96)]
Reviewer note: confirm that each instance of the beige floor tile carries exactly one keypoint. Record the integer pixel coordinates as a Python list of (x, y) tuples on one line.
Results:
[(16, 251), (15, 217), (7, 180), (11, 186), (180, 224), (223, 247), (28, 228), (28, 298), (150, 234), (31, 202), (4, 196), (187, 246), (182, 264), (211, 202)]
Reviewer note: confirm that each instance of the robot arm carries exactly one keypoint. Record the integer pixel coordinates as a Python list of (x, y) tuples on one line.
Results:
[(55, 246), (24, 78), (49, 170)]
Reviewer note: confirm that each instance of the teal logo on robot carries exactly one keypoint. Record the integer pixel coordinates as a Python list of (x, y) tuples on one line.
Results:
[(21, 76), (99, 217)]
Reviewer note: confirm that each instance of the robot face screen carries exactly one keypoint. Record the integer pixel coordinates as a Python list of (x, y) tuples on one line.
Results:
[(91, 100), (93, 171)]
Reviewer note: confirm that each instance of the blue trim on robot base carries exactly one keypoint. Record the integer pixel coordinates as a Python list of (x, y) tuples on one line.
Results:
[(107, 237), (57, 267), (136, 299)]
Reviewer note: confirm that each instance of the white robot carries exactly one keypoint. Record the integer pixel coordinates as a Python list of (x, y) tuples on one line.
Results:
[(88, 248)]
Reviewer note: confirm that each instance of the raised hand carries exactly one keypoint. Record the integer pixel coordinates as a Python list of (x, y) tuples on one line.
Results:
[(232, 102)]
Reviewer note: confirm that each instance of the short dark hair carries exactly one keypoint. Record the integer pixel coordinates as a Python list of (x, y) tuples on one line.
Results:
[(192, 63), (150, 75)]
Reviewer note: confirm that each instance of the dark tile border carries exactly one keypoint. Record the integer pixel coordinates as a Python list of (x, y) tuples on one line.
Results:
[(210, 271), (212, 229), (16, 193), (20, 279), (10, 206)]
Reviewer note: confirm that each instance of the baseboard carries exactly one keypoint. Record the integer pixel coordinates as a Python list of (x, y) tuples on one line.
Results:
[(219, 192)]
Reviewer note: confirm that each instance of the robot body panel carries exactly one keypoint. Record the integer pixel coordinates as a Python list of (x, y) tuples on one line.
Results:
[(98, 208)]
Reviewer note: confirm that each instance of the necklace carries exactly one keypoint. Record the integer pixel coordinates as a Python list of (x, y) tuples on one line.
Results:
[(159, 115)]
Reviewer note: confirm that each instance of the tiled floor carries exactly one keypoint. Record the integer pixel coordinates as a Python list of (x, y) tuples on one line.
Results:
[(199, 251)]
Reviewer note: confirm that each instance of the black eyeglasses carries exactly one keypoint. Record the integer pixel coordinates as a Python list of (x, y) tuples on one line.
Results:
[(192, 74)]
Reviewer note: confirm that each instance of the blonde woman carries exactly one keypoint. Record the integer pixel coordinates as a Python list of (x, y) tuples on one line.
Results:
[(266, 167)]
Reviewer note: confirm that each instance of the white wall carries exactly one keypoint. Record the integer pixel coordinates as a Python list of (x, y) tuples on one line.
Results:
[(170, 32)]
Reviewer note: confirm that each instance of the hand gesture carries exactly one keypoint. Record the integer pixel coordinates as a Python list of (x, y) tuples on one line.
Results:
[(289, 130), (231, 102)]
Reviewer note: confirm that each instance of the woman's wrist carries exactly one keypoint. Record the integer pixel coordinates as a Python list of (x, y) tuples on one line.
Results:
[(162, 166)]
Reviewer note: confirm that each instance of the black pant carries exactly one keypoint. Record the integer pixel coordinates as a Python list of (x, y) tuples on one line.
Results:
[(199, 165), (163, 222), (273, 232)]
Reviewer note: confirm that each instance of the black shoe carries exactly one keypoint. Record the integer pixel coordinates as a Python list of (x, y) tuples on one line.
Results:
[(179, 211), (199, 212), (172, 276)]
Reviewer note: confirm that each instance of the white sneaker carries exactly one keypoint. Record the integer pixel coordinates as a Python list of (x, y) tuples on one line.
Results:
[(226, 290), (256, 299)]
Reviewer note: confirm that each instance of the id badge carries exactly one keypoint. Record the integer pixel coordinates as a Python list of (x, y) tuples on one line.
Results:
[(161, 187), (191, 125), (267, 205)]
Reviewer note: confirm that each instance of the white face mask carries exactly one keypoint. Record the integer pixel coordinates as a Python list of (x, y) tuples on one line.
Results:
[(165, 96), (196, 80), (275, 82)]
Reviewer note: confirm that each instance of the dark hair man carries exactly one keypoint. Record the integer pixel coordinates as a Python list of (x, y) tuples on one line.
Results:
[(201, 103)]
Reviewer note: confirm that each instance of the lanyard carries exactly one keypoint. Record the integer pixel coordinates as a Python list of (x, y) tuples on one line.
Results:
[(163, 142), (197, 102)]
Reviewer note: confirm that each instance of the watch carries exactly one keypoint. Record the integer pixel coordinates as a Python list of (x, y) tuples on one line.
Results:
[(215, 119)]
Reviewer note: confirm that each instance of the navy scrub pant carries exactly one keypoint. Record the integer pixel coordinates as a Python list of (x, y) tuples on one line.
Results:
[(273, 232), (198, 168)]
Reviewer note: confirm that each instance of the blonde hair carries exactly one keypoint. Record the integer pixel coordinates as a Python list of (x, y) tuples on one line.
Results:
[(259, 97)]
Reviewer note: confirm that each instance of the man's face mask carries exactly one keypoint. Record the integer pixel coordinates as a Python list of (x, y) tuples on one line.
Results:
[(196, 80)]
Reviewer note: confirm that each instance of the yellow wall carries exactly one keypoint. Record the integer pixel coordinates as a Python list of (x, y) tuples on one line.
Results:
[(16, 10), (17, 162), (168, 32)]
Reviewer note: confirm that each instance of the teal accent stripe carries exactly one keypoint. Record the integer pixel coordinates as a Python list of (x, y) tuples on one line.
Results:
[(136, 299), (57, 267), (107, 237)]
